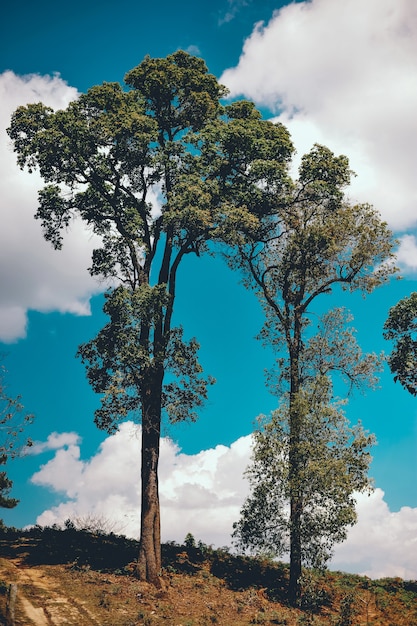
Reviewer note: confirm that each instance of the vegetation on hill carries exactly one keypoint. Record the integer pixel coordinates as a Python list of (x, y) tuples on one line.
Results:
[(81, 577)]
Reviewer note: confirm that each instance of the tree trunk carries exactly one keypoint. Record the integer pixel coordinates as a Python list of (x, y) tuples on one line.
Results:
[(149, 560), (296, 508), (294, 589), (296, 500)]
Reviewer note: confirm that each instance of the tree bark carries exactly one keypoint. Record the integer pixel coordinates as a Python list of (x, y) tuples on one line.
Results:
[(149, 560), (294, 589), (296, 509), (296, 500)]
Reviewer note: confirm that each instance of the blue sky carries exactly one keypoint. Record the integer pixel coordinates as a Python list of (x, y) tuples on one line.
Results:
[(297, 62)]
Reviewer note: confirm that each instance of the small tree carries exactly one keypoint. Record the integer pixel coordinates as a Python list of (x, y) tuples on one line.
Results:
[(314, 242), (401, 328), (12, 425)]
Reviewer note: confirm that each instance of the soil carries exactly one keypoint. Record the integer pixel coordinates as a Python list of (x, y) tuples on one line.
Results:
[(57, 590), (41, 598)]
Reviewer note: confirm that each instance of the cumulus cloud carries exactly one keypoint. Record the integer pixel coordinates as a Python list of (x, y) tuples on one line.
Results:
[(93, 486), (383, 543), (203, 494), (32, 274), (199, 493), (55, 441), (343, 74), (407, 253)]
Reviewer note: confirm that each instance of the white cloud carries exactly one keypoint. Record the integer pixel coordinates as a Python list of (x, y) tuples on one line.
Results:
[(344, 73), (32, 274), (93, 485), (383, 543), (199, 493), (55, 441), (203, 494), (407, 253), (67, 472)]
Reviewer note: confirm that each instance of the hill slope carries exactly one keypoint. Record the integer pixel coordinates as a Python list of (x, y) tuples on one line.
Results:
[(65, 577)]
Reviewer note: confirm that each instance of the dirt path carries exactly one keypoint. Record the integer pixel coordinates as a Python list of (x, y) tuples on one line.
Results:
[(41, 600)]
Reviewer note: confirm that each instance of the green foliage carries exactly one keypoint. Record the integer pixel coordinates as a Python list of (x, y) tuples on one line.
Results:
[(12, 425), (347, 610), (215, 171), (117, 357), (5, 486), (311, 242), (401, 327), (189, 541), (314, 594), (333, 461), (178, 91), (331, 351)]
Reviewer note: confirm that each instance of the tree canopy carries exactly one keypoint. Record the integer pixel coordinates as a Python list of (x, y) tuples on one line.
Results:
[(401, 329), (334, 461), (331, 458), (314, 243)]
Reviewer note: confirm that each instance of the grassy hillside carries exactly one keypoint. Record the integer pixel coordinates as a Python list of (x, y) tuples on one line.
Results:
[(67, 576)]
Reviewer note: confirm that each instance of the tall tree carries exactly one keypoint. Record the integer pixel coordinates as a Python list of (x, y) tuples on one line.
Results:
[(12, 424), (401, 328), (104, 158), (313, 243)]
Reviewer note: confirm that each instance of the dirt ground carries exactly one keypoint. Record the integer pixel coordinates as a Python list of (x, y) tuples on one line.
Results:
[(55, 595), (41, 599), (80, 588)]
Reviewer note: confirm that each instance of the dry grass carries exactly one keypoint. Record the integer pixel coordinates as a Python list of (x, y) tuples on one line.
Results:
[(68, 577)]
